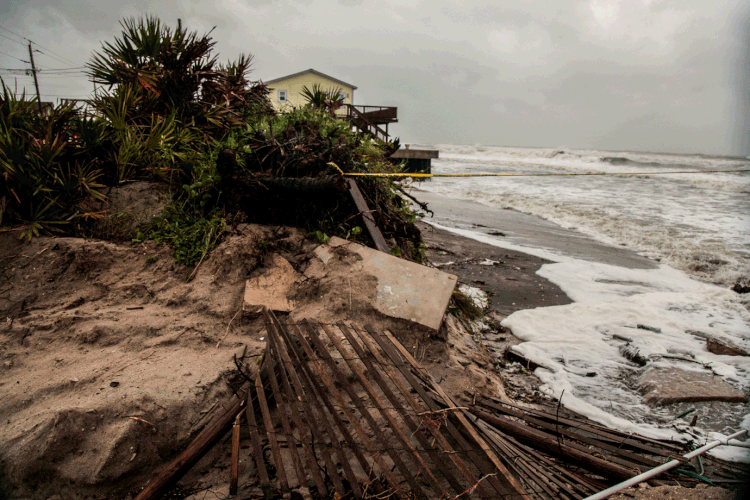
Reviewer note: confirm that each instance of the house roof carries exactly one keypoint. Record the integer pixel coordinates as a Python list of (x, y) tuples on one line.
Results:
[(311, 71)]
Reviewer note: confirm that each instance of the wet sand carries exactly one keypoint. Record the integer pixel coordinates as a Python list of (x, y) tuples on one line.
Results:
[(509, 276), (510, 280), (527, 230)]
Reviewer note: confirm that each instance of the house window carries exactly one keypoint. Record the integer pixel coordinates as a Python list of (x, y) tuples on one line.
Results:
[(282, 96)]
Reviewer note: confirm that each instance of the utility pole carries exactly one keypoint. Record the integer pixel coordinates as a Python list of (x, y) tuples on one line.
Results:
[(36, 82)]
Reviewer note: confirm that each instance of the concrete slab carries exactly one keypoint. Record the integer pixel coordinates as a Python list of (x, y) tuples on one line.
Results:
[(663, 385), (405, 289), (271, 287)]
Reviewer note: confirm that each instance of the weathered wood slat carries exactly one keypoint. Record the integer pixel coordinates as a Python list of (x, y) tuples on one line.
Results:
[(235, 460), (344, 407), (511, 480), (300, 405), (601, 433), (463, 445), (285, 417), (260, 464), (308, 390), (563, 430), (395, 426), (357, 402), (271, 433), (439, 438), (512, 448), (542, 441), (413, 426), (577, 482)]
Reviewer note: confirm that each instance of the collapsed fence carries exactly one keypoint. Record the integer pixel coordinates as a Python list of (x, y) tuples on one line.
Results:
[(346, 411)]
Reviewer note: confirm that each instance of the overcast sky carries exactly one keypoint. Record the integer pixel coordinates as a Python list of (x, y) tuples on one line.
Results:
[(648, 75)]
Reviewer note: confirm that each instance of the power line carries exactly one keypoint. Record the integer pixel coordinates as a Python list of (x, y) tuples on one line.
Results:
[(64, 59), (14, 57), (13, 33), (56, 54), (53, 57), (14, 41), (68, 61), (77, 68)]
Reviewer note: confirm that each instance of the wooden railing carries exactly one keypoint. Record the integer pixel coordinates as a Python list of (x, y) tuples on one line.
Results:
[(367, 118), (376, 114)]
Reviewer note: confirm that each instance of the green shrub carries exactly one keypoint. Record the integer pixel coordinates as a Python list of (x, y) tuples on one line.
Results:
[(43, 176)]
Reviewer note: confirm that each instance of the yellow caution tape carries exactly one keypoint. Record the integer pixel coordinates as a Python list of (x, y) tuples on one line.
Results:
[(364, 174)]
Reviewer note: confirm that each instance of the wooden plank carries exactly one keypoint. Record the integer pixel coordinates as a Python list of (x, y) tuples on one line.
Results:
[(271, 433), (260, 463), (200, 445), (577, 481), (300, 400), (394, 424), (352, 420), (235, 465), (536, 488), (536, 469), (512, 480), (632, 458), (369, 220), (285, 415), (601, 433), (436, 458), (311, 388)]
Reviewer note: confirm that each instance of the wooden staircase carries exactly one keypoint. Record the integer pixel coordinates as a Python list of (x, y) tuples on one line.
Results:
[(368, 119)]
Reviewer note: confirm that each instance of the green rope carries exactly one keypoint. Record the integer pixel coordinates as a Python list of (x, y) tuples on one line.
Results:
[(699, 477)]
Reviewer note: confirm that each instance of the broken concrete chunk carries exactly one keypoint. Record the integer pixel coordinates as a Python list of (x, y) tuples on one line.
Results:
[(664, 386), (405, 289), (271, 287), (718, 347)]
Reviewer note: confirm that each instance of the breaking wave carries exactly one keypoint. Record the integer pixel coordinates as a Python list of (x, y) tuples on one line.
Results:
[(698, 223)]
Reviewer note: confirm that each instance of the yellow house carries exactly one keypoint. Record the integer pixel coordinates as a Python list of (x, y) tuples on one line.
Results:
[(287, 90)]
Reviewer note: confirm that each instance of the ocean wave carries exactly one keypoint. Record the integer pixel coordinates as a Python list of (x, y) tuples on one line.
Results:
[(619, 160), (583, 156)]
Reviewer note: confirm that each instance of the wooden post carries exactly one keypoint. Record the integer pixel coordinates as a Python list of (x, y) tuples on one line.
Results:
[(36, 82), (235, 471), (372, 228)]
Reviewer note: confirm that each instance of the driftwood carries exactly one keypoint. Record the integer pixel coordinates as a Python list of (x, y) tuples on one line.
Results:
[(512, 355), (543, 441)]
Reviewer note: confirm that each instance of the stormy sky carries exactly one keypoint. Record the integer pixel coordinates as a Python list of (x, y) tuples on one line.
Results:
[(647, 75)]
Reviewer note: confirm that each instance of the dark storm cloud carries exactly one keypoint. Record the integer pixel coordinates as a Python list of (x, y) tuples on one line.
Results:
[(617, 74)]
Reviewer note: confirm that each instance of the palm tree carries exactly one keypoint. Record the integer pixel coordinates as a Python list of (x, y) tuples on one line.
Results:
[(326, 100), (174, 72)]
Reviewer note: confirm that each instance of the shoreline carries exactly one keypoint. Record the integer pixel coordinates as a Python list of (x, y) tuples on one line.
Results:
[(508, 277)]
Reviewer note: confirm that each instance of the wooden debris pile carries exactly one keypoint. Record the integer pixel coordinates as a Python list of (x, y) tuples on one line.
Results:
[(559, 454), (356, 419), (345, 411)]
